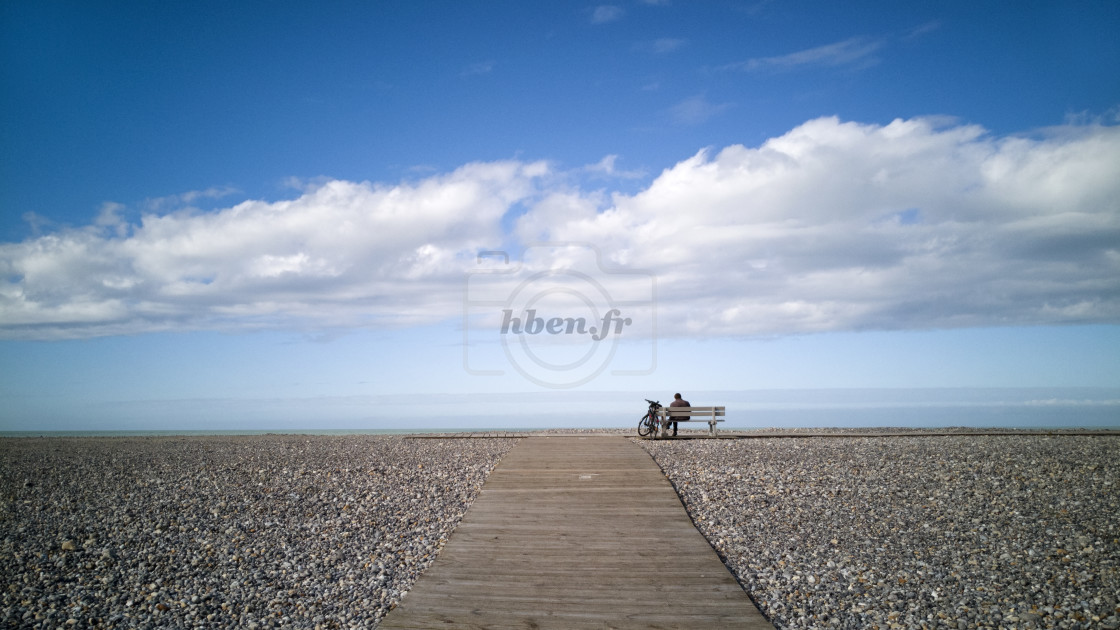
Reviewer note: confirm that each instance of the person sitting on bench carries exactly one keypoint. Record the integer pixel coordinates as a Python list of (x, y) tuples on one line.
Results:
[(678, 402)]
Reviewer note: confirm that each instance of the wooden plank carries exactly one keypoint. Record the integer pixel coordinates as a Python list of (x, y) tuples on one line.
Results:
[(576, 532), (692, 414)]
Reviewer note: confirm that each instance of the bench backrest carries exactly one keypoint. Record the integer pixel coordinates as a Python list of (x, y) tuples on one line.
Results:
[(705, 412)]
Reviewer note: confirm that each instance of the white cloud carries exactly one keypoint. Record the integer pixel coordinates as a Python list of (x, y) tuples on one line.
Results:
[(922, 29), (161, 204), (110, 218), (834, 225), (696, 110), (606, 167), (842, 226), (660, 46), (340, 254), (605, 13), (855, 52)]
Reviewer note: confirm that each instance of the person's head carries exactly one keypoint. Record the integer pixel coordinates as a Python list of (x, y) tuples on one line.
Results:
[(677, 396)]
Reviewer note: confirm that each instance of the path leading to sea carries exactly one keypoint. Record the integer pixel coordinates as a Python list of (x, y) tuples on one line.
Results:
[(576, 532)]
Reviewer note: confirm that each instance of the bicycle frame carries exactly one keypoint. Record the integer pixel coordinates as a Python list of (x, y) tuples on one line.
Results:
[(648, 423)]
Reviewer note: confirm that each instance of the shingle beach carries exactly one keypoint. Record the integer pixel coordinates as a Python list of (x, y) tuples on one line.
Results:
[(226, 532), (330, 531), (915, 532)]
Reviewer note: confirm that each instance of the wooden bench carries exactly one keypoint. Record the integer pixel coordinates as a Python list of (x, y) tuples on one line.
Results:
[(711, 415)]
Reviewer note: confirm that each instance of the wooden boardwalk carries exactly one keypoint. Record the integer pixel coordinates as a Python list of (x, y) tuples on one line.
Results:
[(576, 532)]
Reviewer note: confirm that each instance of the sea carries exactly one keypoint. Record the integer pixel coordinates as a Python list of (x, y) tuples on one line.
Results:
[(1006, 408)]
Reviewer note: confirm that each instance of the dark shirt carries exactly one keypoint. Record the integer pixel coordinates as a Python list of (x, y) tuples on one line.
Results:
[(681, 403)]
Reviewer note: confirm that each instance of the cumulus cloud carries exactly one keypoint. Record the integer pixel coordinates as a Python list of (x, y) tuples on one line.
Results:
[(844, 226), (341, 254), (606, 167), (160, 204), (917, 224)]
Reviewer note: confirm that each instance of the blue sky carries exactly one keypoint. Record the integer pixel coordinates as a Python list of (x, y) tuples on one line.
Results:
[(277, 214)]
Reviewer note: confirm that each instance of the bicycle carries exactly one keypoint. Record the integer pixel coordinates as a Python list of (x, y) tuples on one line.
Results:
[(648, 423)]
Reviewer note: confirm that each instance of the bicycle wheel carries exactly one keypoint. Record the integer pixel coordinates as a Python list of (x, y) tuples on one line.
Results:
[(645, 426)]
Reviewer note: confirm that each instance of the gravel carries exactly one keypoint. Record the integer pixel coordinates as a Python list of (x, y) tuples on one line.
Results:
[(331, 532), (249, 531), (912, 532)]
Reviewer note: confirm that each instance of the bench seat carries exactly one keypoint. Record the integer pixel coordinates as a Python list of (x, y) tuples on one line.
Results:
[(711, 415)]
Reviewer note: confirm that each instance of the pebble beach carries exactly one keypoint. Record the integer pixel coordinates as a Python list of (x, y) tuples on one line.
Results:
[(912, 532), (291, 531), (308, 531)]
